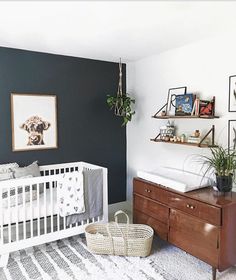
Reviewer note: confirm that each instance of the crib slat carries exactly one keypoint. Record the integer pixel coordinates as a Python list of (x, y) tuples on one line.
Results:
[(9, 215), (1, 216), (51, 202), (64, 222), (24, 210), (58, 216), (17, 214), (31, 212), (38, 207), (45, 208)]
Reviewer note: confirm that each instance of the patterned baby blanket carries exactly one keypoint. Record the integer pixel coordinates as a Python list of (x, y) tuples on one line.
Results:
[(70, 194)]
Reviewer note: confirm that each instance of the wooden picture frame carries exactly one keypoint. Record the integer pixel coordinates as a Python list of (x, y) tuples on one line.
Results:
[(232, 134), (232, 94), (33, 121)]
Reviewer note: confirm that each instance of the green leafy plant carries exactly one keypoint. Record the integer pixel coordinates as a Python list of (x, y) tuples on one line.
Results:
[(222, 161), (121, 103), (122, 106)]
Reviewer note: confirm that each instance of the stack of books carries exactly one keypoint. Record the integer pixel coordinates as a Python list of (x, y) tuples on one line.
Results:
[(194, 140), (195, 110)]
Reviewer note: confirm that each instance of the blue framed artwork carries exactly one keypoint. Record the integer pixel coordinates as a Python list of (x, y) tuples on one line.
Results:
[(184, 104)]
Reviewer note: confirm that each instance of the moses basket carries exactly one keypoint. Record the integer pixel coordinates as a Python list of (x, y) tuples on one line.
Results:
[(119, 239)]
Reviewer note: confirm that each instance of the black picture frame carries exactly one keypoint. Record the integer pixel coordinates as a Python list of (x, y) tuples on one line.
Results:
[(231, 135), (232, 94), (172, 92)]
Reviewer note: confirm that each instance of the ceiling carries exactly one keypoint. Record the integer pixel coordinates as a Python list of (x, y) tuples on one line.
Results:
[(108, 30)]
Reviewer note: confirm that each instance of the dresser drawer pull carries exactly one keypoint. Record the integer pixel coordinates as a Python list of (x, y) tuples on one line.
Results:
[(147, 190), (190, 206)]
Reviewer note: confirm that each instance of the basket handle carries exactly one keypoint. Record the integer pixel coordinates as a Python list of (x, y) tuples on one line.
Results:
[(119, 213), (122, 235)]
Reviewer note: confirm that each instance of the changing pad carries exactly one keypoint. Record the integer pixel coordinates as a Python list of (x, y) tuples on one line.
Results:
[(179, 180)]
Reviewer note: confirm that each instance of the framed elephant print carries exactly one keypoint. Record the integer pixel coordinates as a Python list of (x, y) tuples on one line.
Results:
[(34, 121)]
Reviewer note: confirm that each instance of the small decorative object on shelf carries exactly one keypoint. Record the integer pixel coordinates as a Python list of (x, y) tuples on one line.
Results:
[(163, 113), (167, 132), (121, 103), (195, 138), (197, 133), (182, 138)]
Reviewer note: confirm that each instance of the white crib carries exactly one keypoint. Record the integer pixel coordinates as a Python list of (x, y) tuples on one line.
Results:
[(37, 221)]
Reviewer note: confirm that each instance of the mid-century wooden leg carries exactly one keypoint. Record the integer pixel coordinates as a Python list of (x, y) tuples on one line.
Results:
[(213, 273)]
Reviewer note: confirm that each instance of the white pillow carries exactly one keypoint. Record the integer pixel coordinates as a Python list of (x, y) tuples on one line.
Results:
[(4, 168), (22, 172), (6, 176)]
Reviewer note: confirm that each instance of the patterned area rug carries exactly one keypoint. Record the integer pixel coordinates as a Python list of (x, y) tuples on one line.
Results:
[(70, 259)]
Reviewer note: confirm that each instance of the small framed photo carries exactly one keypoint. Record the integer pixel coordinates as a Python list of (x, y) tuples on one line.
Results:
[(232, 134), (206, 107), (171, 98), (34, 121), (232, 93)]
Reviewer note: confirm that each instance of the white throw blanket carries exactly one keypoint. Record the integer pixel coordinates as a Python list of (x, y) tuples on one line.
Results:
[(70, 194)]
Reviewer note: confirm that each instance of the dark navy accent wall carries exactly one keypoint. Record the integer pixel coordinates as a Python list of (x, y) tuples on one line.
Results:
[(87, 130)]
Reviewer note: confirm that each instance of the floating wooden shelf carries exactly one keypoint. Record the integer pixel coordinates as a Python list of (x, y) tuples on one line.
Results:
[(186, 117), (185, 143), (201, 144)]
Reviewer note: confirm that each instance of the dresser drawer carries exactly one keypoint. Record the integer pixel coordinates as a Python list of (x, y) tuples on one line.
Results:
[(151, 191), (151, 208), (194, 236), (158, 227), (199, 209)]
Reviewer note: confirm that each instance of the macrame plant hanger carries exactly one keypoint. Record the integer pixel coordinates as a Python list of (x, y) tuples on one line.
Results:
[(119, 110)]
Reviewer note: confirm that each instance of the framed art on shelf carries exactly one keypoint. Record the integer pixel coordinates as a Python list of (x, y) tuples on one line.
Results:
[(232, 134), (184, 104), (171, 98), (207, 107), (34, 121), (232, 93)]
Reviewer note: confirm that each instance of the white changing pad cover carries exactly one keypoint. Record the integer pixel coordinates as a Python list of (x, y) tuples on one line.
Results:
[(179, 180)]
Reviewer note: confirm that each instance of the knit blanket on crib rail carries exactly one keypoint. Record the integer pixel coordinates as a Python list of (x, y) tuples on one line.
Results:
[(70, 194)]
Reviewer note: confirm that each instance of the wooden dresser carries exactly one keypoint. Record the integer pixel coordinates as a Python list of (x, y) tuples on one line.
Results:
[(201, 222)]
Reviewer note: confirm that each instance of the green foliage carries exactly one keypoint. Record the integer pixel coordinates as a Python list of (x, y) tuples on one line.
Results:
[(122, 107), (222, 161)]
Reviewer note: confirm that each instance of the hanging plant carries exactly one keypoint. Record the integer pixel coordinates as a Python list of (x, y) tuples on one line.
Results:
[(121, 103)]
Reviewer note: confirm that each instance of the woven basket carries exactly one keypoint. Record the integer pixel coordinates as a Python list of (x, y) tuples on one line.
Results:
[(119, 239)]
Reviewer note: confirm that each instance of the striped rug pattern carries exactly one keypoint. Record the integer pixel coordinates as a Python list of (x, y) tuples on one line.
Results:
[(70, 259)]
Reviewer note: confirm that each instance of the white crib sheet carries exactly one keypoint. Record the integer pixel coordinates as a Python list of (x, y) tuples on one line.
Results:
[(18, 213)]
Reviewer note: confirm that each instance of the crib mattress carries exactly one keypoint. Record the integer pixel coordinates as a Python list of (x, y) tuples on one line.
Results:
[(14, 214)]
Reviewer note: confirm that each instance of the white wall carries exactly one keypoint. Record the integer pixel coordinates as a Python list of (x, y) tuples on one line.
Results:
[(203, 67)]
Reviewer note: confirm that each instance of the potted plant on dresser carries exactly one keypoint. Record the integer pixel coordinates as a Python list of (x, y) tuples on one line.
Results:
[(223, 163)]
